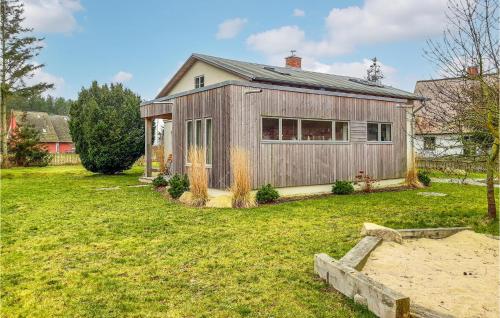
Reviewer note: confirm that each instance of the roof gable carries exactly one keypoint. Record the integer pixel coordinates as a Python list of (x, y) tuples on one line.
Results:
[(52, 128)]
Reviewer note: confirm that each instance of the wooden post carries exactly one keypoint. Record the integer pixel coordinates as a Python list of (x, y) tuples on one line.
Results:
[(148, 167)]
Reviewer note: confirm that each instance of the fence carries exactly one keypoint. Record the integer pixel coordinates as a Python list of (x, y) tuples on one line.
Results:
[(444, 164), (59, 159)]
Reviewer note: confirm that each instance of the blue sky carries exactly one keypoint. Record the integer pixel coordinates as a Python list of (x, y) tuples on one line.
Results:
[(142, 43)]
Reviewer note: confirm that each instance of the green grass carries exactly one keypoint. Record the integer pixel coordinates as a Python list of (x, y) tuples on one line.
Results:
[(71, 251)]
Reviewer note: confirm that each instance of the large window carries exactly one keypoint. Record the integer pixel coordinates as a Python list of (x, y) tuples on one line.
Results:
[(208, 141), (197, 137), (295, 129), (341, 131), (199, 81), (316, 130), (380, 132), (198, 140), (289, 129), (270, 129), (189, 137)]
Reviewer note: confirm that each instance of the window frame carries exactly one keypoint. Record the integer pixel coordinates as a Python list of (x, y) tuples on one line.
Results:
[(186, 130), (379, 133), (198, 80), (299, 132), (205, 139), (425, 143)]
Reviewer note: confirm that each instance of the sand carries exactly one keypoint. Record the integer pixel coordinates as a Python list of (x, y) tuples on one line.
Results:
[(458, 275)]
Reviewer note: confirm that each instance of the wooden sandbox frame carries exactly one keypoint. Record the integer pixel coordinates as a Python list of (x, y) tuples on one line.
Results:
[(346, 277)]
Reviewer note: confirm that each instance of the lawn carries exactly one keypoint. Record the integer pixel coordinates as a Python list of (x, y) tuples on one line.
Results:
[(73, 251)]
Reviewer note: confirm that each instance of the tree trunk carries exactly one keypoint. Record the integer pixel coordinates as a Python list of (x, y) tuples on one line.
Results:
[(3, 130), (490, 187)]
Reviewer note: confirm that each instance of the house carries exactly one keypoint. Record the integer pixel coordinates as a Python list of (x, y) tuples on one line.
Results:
[(435, 133), (299, 127), (54, 129)]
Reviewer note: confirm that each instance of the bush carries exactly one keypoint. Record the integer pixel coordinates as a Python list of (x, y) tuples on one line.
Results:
[(267, 194), (178, 185), (25, 147), (198, 177), (423, 177), (107, 128), (241, 186), (160, 182), (343, 187)]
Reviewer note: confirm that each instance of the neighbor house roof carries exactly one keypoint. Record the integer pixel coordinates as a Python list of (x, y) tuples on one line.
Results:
[(291, 77), (52, 128)]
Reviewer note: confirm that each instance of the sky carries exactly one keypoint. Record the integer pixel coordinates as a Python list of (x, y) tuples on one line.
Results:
[(143, 43)]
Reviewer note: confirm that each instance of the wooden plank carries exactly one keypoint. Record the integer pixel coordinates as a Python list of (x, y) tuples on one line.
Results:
[(432, 233), (356, 257), (381, 300)]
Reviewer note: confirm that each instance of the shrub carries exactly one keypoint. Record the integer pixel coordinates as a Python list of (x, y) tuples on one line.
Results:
[(25, 148), (423, 177), (160, 182), (240, 188), (366, 181), (198, 178), (178, 185), (267, 194), (343, 187), (107, 128)]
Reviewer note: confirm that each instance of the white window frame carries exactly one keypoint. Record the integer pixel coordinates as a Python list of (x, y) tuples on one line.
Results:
[(379, 133), (199, 78), (207, 164), (299, 133)]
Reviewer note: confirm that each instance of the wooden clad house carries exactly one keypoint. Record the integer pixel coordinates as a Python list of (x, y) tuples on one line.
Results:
[(299, 127)]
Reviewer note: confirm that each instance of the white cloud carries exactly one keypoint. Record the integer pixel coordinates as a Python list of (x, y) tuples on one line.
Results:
[(40, 76), (298, 13), (122, 77), (230, 28), (52, 15), (376, 21)]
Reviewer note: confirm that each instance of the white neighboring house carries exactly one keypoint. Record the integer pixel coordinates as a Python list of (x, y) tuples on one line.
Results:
[(431, 138)]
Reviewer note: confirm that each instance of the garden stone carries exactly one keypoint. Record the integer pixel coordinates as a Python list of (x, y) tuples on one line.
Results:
[(221, 201), (108, 189), (385, 233), (432, 194)]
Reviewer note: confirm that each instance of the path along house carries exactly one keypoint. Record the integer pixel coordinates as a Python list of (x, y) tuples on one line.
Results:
[(299, 127)]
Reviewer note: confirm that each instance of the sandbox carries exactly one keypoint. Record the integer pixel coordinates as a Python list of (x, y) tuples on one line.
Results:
[(442, 272)]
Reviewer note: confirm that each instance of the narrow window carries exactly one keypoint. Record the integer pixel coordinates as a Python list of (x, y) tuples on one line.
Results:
[(289, 129), (199, 81), (372, 130), (199, 140), (189, 137), (270, 129), (429, 143), (385, 132), (341, 131), (316, 130), (208, 141)]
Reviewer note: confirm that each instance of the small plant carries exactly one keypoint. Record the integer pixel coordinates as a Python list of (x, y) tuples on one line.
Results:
[(342, 187), (241, 186), (198, 177), (267, 194), (365, 180), (423, 177), (178, 185), (159, 182)]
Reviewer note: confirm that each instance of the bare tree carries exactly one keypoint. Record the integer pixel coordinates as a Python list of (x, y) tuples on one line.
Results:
[(465, 101)]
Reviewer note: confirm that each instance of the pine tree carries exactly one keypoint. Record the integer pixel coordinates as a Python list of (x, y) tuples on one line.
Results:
[(17, 52), (25, 148)]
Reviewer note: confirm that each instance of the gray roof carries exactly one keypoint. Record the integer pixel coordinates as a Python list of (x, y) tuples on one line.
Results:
[(52, 128), (298, 77)]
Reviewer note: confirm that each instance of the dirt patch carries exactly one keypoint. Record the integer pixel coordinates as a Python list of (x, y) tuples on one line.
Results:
[(457, 275)]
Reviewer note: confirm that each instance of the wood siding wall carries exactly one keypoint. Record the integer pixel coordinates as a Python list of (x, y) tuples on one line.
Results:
[(293, 164), (207, 104)]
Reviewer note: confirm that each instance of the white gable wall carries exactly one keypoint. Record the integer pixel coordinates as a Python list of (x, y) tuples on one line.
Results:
[(212, 75)]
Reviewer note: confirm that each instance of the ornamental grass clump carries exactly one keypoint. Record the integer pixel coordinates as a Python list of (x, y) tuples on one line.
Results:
[(198, 177), (241, 183)]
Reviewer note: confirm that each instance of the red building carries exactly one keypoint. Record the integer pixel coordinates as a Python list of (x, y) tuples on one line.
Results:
[(54, 129)]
